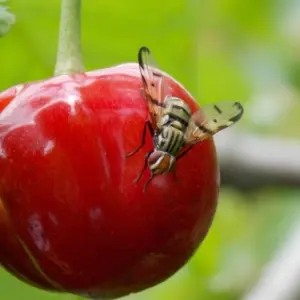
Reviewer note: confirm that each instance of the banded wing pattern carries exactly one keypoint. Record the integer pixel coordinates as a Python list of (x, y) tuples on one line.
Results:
[(211, 119), (155, 86)]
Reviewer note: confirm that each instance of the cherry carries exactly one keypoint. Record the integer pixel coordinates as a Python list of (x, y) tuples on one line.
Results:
[(72, 218)]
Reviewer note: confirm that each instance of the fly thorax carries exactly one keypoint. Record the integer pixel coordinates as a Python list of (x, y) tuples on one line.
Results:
[(170, 140), (177, 109), (176, 124), (165, 119)]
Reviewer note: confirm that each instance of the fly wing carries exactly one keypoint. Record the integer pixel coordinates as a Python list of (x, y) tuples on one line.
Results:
[(155, 88), (211, 119)]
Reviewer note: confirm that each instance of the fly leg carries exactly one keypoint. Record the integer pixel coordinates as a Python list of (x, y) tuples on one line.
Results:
[(149, 126), (177, 158), (147, 182), (144, 167), (184, 153)]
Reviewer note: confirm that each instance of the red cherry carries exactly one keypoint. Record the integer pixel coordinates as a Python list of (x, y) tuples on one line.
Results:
[(71, 218)]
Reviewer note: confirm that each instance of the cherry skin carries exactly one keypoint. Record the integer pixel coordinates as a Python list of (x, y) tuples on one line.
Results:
[(71, 217)]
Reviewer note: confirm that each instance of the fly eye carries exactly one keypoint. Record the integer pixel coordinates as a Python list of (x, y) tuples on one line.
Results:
[(155, 157)]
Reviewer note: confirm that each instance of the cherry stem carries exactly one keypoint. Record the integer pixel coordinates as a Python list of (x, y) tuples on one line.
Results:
[(69, 54)]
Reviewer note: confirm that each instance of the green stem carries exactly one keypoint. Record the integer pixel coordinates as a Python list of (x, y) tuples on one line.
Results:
[(69, 56)]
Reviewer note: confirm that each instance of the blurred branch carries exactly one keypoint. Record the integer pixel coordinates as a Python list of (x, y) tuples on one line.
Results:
[(281, 278), (250, 161)]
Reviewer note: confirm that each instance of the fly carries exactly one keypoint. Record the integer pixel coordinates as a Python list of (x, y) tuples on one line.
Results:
[(174, 128)]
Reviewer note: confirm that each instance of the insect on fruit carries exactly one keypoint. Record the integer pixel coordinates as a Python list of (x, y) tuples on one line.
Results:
[(174, 128)]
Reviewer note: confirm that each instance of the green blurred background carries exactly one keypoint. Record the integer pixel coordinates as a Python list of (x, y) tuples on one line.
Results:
[(219, 49)]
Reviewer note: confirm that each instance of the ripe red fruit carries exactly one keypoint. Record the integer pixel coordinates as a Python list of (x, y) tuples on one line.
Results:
[(71, 217)]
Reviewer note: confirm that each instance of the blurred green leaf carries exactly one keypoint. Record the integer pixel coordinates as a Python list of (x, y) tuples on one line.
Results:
[(6, 19)]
